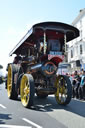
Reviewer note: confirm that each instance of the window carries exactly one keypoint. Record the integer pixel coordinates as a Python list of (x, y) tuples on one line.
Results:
[(54, 45), (81, 49), (71, 53)]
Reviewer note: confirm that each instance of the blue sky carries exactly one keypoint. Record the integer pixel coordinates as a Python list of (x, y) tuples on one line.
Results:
[(17, 16)]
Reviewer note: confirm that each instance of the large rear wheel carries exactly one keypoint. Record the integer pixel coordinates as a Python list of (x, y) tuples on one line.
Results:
[(12, 94), (27, 90), (64, 90)]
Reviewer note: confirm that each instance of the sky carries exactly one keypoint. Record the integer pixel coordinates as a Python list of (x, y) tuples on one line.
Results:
[(17, 17)]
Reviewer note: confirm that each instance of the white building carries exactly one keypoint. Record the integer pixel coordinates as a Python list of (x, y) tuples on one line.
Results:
[(76, 47)]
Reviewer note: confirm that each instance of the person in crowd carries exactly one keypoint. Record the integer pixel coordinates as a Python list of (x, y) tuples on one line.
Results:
[(75, 84), (82, 87), (17, 59), (71, 78)]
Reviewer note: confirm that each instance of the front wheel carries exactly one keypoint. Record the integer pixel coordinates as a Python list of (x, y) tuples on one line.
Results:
[(64, 90), (27, 90)]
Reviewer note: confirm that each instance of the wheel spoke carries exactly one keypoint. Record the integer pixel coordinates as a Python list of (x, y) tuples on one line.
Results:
[(26, 90), (25, 98)]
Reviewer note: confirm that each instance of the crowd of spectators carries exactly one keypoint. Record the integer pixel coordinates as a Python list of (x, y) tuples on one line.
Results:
[(78, 84)]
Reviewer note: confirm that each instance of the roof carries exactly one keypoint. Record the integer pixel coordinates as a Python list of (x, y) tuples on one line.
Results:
[(80, 15), (71, 32), (64, 65)]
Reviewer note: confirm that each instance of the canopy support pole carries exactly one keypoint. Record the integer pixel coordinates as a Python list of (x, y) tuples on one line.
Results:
[(65, 40), (45, 45)]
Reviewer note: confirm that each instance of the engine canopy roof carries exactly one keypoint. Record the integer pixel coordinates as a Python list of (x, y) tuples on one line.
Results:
[(53, 30)]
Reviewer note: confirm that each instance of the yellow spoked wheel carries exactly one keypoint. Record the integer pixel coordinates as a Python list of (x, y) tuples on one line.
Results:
[(27, 90), (64, 90), (9, 81)]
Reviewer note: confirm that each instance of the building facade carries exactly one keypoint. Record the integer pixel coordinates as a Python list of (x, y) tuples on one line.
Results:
[(76, 47)]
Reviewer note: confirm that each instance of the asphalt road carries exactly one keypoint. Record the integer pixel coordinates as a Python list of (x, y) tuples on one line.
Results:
[(45, 113)]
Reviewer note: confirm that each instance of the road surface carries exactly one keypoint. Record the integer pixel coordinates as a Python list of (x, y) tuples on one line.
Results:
[(45, 113)]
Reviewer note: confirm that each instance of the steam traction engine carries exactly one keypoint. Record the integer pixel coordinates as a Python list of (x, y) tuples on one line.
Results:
[(35, 66)]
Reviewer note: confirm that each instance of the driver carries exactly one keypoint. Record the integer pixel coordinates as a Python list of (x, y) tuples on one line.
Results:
[(41, 47)]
